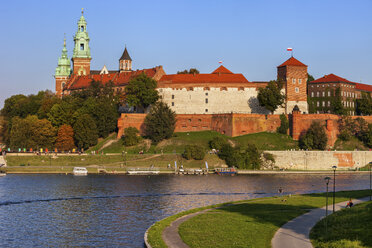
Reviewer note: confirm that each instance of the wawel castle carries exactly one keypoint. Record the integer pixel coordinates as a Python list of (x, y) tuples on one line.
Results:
[(218, 92)]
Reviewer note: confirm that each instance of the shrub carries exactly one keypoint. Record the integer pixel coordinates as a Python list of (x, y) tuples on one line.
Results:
[(217, 143), (131, 137), (314, 138), (248, 157), (284, 124), (193, 152), (269, 156)]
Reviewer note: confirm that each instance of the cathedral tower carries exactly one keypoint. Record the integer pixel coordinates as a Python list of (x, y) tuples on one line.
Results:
[(63, 71), (81, 56), (125, 62)]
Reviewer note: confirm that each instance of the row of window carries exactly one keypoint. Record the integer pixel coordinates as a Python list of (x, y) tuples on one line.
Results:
[(344, 103), (334, 85), (294, 81), (343, 93)]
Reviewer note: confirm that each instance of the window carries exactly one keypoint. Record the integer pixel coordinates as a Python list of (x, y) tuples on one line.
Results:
[(206, 100), (206, 94), (172, 103), (297, 90), (317, 104), (81, 47), (206, 110), (329, 93), (329, 103), (63, 85), (312, 94), (323, 103), (299, 81), (172, 96), (189, 120), (82, 28), (293, 81), (323, 93), (317, 94)]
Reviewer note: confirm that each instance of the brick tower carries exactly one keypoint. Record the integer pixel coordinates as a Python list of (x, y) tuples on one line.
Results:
[(81, 56), (294, 75), (63, 71)]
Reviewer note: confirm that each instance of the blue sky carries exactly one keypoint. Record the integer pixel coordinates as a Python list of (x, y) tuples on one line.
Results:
[(250, 37)]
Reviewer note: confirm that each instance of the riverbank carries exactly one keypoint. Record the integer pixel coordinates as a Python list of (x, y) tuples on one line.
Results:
[(250, 223)]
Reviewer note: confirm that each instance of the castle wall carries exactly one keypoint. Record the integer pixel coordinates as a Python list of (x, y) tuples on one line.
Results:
[(213, 100)]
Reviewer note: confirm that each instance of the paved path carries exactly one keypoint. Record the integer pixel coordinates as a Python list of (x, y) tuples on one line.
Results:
[(170, 234), (295, 233)]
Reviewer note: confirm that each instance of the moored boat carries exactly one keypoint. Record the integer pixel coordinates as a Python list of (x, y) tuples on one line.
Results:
[(143, 172), (80, 171), (226, 171)]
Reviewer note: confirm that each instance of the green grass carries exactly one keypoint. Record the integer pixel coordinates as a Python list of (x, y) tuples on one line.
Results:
[(176, 144), (346, 228), (101, 142), (350, 145), (250, 223)]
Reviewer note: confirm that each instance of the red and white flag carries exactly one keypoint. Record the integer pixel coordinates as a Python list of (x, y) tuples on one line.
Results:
[(289, 49), (220, 62)]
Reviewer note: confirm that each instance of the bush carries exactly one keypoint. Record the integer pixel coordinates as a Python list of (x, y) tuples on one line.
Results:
[(248, 157), (193, 152), (217, 143), (314, 138), (284, 124), (131, 137), (269, 157)]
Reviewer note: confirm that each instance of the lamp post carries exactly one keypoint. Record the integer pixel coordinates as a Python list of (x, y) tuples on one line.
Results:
[(334, 186), (327, 182), (370, 181)]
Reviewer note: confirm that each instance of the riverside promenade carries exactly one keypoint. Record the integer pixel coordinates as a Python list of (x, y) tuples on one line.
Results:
[(293, 234)]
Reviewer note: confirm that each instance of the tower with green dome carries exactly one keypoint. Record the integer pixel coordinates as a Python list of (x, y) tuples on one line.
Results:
[(63, 70), (81, 54)]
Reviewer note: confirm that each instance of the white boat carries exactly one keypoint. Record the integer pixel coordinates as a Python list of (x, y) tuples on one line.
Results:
[(143, 172), (2, 174), (80, 171)]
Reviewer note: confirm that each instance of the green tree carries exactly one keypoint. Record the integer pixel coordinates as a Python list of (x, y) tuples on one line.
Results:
[(86, 133), (141, 92), (364, 105), (310, 78), (65, 138), (131, 136), (191, 71), (217, 143), (31, 132), (284, 124), (314, 138), (193, 152), (271, 96), (160, 122)]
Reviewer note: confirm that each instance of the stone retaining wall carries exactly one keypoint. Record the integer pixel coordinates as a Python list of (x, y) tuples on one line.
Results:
[(321, 160)]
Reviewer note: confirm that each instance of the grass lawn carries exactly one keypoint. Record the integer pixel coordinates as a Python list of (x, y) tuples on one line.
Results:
[(350, 145), (101, 142), (268, 141), (346, 228), (250, 223)]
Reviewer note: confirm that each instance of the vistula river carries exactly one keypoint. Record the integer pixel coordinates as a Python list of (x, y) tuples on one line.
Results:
[(115, 211)]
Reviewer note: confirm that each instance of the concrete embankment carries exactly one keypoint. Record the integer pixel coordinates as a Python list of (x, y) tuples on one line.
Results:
[(2, 161)]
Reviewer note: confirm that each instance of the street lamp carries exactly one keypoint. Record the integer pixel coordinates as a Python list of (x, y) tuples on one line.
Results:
[(370, 181), (334, 186), (327, 182)]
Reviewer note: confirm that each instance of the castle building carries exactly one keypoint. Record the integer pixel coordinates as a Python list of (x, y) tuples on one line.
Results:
[(80, 76), (323, 91)]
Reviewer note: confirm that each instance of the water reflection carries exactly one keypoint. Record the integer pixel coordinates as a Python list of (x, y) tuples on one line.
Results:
[(101, 211)]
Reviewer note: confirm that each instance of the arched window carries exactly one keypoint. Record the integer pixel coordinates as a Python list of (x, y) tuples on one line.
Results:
[(82, 28)]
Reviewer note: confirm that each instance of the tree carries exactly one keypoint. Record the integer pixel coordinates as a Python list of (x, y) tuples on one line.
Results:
[(284, 124), (364, 105), (248, 157), (193, 152), (86, 133), (314, 138), (217, 143), (191, 71), (131, 136), (160, 122), (31, 132), (141, 92), (65, 138), (271, 96), (310, 78)]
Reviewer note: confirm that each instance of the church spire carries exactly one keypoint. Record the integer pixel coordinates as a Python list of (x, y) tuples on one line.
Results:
[(125, 61), (64, 66), (81, 55)]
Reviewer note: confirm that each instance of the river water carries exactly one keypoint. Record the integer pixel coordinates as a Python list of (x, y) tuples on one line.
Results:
[(115, 211)]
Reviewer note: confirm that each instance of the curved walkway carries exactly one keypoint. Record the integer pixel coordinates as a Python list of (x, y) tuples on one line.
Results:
[(295, 233)]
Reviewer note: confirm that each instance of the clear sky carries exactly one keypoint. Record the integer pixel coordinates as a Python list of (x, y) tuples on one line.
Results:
[(250, 37)]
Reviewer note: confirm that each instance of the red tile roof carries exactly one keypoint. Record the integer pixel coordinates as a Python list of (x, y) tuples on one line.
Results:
[(293, 62), (364, 87), (118, 78), (222, 70), (331, 78)]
